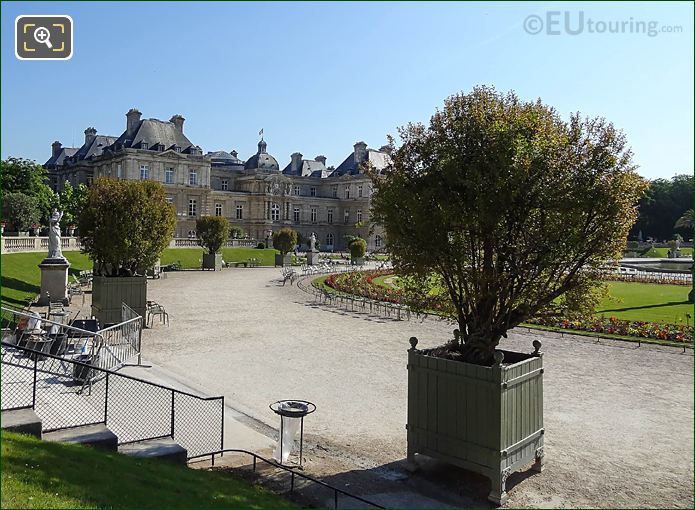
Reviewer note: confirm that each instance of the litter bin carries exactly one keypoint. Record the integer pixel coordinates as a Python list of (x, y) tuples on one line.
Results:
[(292, 413), (81, 373)]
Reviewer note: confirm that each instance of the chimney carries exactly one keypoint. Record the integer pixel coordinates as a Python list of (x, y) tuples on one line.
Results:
[(177, 120), (360, 152), (89, 135), (56, 147), (321, 159), (133, 118), (386, 148), (296, 164), (234, 153)]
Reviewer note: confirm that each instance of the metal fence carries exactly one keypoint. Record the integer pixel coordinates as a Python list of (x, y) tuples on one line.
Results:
[(132, 408)]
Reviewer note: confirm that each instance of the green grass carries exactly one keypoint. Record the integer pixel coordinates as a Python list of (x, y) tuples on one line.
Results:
[(38, 474), (666, 304), (190, 257), (663, 252), (21, 277)]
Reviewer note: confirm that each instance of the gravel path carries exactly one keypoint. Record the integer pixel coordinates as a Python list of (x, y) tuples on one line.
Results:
[(618, 419)]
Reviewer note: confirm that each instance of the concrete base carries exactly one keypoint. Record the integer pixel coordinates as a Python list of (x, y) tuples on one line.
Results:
[(162, 448), (312, 258), (22, 421), (54, 281), (97, 436)]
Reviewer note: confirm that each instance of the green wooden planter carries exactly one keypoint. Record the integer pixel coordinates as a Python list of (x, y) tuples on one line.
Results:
[(283, 260), (109, 292), (485, 419), (212, 261)]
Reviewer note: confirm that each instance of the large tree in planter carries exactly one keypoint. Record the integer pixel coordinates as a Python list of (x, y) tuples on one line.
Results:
[(284, 240), (125, 225), (213, 232), (507, 207), (357, 247)]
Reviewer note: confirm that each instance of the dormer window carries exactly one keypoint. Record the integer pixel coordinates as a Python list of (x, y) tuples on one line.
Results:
[(177, 148), (144, 145)]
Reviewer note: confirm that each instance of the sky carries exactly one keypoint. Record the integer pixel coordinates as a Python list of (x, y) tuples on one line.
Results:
[(318, 77)]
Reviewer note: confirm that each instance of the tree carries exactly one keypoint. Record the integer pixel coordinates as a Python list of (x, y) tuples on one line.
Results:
[(25, 176), (125, 225), (506, 207), (236, 232), (71, 201), (357, 247), (284, 240), (685, 221), (20, 210), (213, 232), (662, 205)]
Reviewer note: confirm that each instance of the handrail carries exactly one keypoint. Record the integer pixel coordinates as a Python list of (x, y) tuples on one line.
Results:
[(293, 472)]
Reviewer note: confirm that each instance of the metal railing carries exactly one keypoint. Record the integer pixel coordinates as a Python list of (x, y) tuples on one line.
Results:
[(293, 474), (134, 409), (108, 348)]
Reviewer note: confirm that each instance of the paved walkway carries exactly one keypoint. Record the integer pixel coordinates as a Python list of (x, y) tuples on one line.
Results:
[(618, 418)]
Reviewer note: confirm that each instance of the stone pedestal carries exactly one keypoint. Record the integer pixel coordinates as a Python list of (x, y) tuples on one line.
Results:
[(312, 258), (54, 281)]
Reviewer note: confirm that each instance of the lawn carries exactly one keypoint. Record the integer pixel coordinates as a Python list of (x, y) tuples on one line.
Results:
[(190, 257), (663, 253), (38, 474), (647, 302), (21, 278)]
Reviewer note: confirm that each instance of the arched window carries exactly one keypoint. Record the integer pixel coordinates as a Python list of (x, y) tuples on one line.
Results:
[(329, 239), (275, 212), (377, 241)]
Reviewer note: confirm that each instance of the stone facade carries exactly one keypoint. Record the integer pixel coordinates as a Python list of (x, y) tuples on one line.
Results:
[(255, 194)]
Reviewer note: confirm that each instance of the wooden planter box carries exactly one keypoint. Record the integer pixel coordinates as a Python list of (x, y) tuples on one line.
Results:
[(109, 292), (282, 261), (485, 419), (212, 261)]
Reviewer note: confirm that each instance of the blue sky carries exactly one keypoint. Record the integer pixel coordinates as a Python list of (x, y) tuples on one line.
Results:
[(317, 77)]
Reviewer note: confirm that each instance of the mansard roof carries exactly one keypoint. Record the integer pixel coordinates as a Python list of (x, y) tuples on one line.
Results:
[(350, 166), (153, 132), (94, 148), (309, 168), (58, 159)]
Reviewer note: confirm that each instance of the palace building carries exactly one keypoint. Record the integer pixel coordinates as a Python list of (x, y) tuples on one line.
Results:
[(256, 194)]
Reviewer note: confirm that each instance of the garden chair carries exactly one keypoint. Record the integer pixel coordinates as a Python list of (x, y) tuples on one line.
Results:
[(155, 309)]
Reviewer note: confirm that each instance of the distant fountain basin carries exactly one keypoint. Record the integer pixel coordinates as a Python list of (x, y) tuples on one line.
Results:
[(682, 265)]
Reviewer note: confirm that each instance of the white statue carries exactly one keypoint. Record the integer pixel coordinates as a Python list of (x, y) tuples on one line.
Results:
[(312, 242), (54, 251)]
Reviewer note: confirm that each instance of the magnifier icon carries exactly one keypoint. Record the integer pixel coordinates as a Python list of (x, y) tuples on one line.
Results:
[(43, 36)]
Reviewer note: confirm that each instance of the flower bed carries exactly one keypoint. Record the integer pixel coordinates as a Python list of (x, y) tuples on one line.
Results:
[(361, 283), (615, 326)]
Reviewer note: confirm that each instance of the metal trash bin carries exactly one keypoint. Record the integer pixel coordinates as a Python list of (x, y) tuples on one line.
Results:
[(292, 413)]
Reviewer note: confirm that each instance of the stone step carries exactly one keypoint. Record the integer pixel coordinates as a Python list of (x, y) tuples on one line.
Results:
[(24, 421), (97, 435), (161, 448)]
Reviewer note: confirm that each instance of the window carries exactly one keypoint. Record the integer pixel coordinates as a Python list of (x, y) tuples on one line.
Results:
[(177, 149), (192, 207), (218, 209), (330, 215), (225, 184), (296, 215), (359, 191), (119, 172), (312, 191), (144, 172), (359, 215), (377, 241), (335, 191), (193, 178), (144, 145), (347, 191), (275, 212), (329, 239), (170, 199), (239, 212), (169, 176), (314, 214), (296, 190), (346, 216)]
